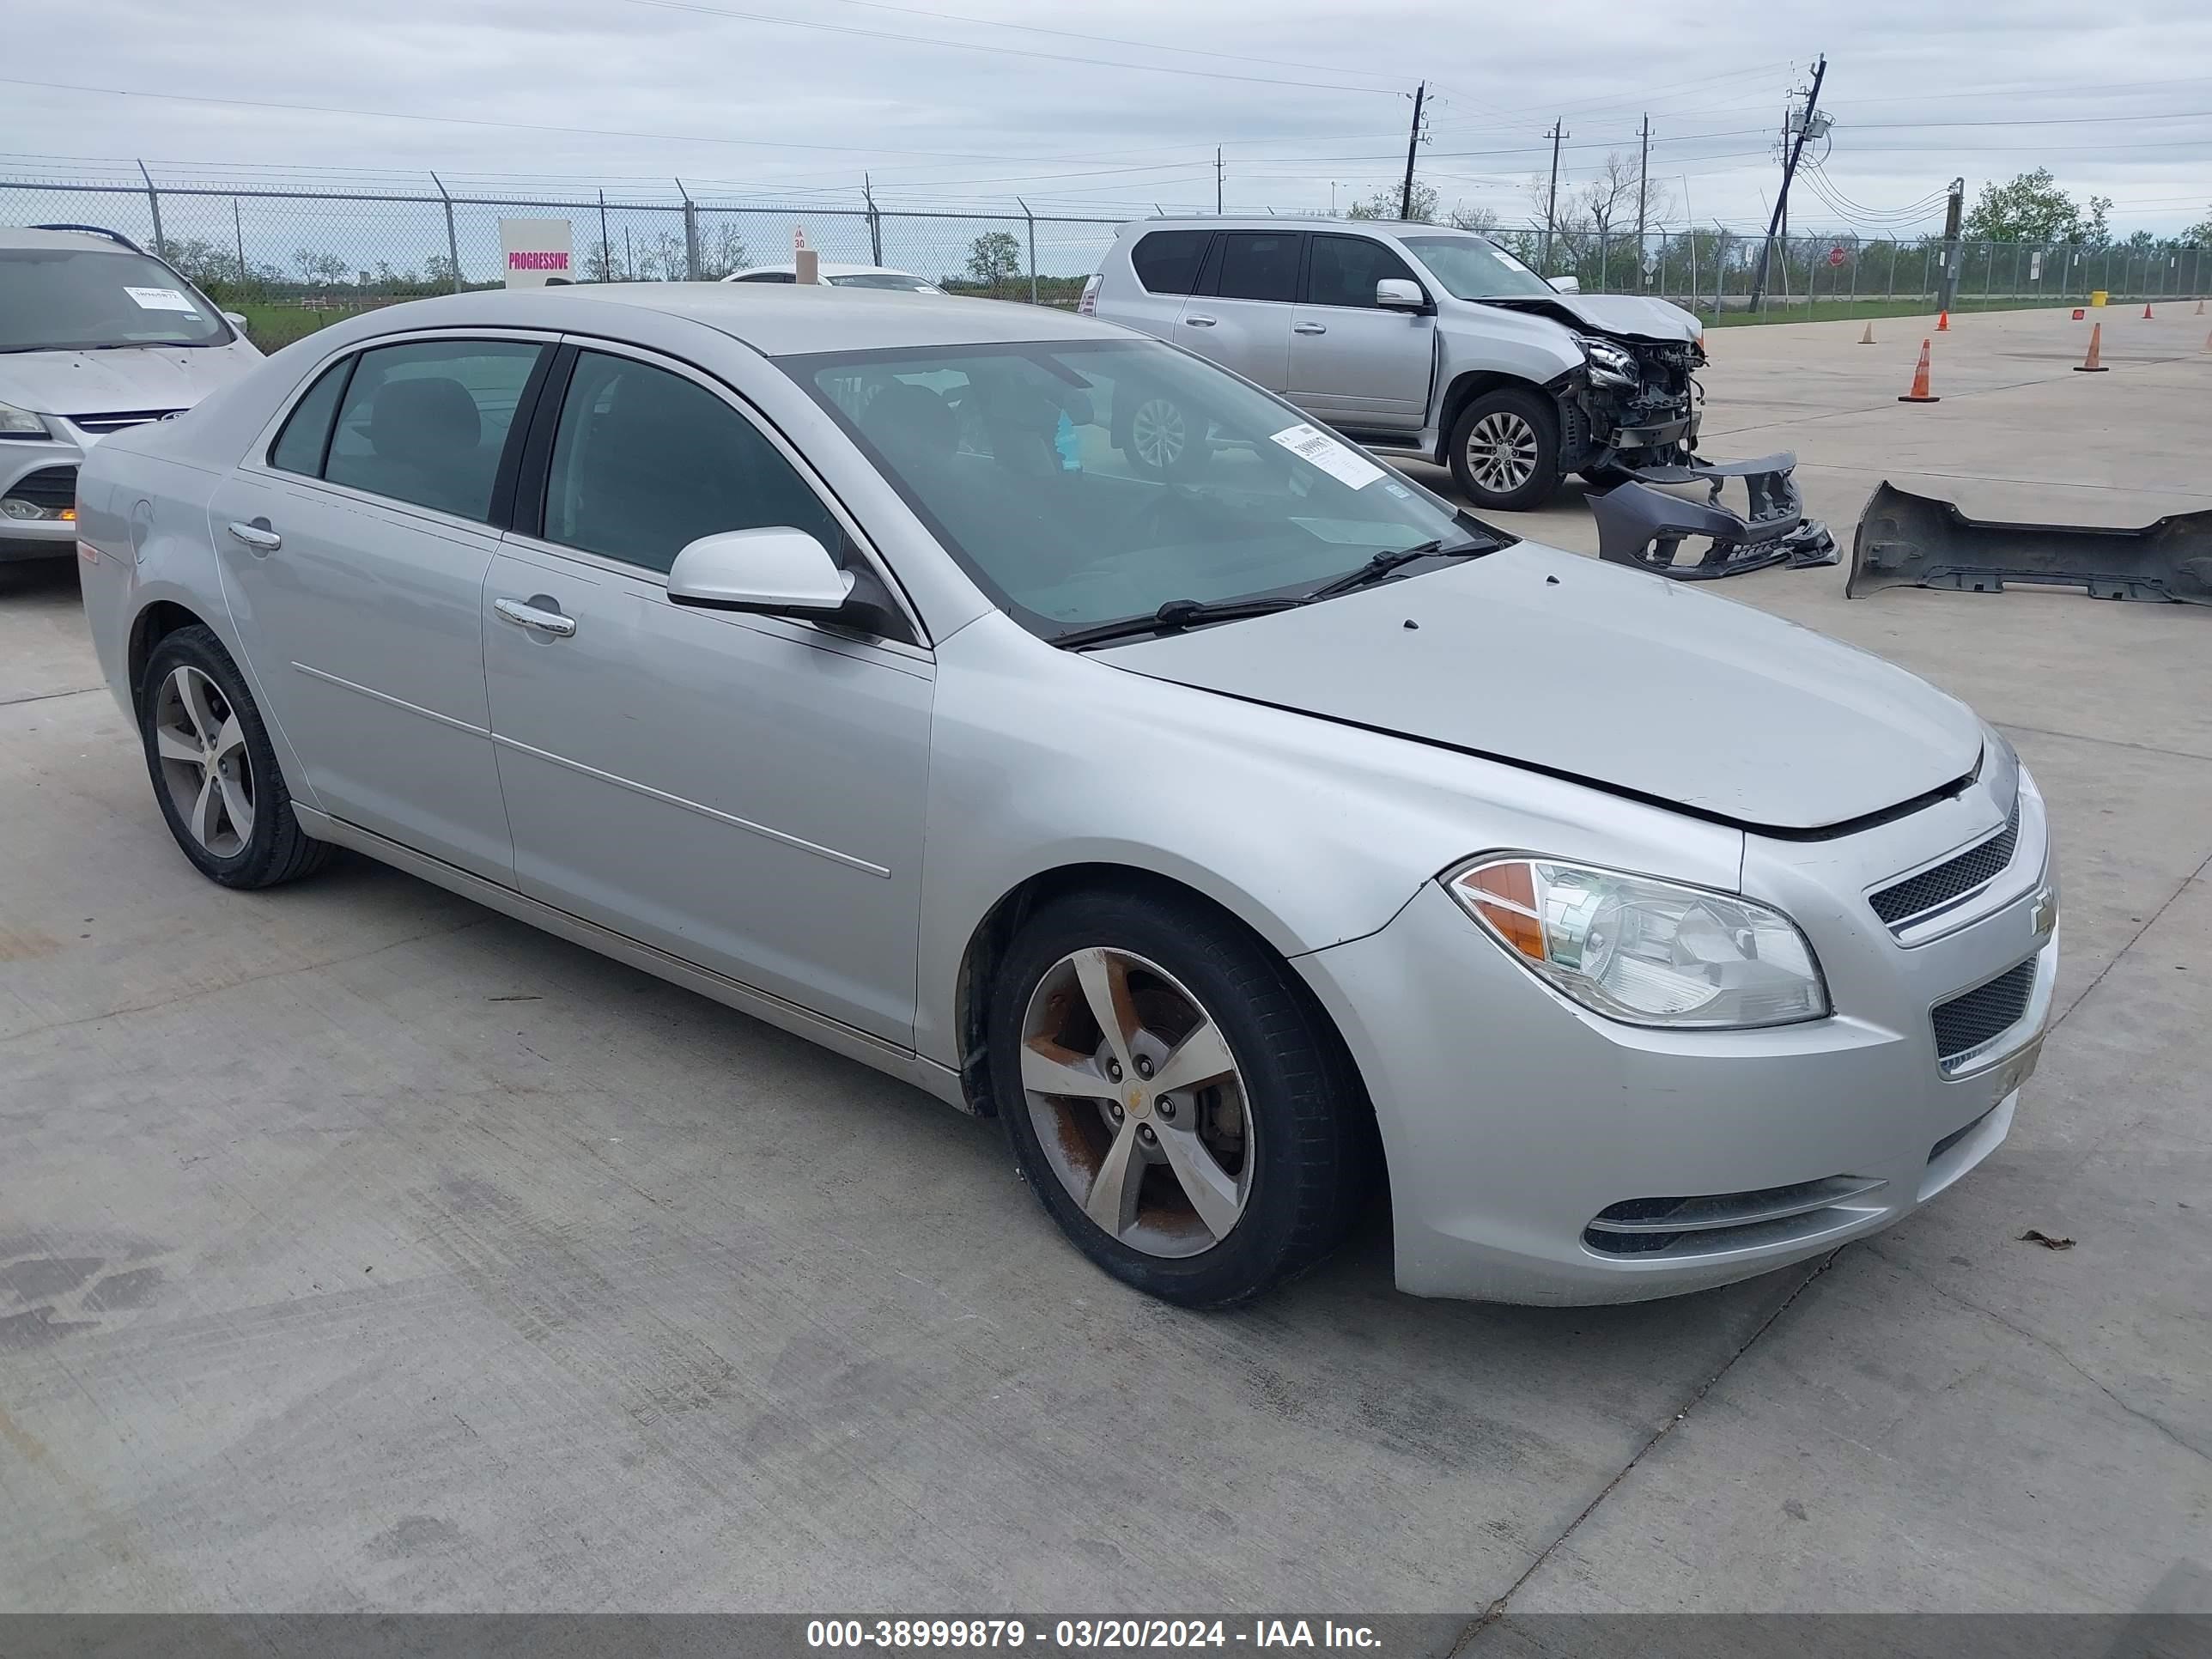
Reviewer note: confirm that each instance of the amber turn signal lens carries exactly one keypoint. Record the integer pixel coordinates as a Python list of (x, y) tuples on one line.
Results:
[(1504, 895)]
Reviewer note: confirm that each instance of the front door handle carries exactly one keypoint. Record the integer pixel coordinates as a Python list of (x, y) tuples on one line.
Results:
[(1198, 322), (523, 614), (1308, 328), (256, 535)]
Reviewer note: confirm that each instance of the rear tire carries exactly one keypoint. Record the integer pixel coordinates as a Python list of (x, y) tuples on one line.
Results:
[(1260, 1111), (214, 771), (1504, 450)]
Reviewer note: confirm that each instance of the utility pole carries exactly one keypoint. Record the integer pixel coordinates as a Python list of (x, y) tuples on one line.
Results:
[(1413, 141), (1552, 199), (1952, 213), (1643, 195), (1217, 180), (1795, 149)]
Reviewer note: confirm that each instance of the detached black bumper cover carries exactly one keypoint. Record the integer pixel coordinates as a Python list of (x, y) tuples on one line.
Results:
[(1916, 541), (1645, 527)]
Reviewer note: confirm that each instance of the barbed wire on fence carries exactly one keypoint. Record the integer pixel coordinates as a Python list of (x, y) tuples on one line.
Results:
[(276, 241)]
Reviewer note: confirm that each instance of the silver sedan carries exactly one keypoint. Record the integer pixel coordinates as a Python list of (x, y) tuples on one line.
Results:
[(1244, 839)]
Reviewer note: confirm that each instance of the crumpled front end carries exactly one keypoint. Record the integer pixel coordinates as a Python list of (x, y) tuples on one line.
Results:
[(1641, 523)]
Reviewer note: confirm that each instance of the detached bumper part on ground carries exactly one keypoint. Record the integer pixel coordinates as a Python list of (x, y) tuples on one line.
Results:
[(1642, 525), (1907, 540)]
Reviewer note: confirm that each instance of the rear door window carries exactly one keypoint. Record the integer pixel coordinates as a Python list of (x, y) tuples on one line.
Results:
[(1259, 266), (426, 422), (1166, 261)]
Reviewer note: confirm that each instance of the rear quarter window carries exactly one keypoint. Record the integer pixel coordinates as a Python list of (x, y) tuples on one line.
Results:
[(1166, 261), (299, 448)]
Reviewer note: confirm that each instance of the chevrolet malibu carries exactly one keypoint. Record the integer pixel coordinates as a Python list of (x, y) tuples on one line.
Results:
[(1241, 842)]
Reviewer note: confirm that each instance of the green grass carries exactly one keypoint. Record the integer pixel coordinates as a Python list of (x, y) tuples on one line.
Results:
[(1849, 310)]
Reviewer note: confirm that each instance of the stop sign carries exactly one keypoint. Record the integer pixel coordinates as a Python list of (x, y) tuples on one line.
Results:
[(1835, 256)]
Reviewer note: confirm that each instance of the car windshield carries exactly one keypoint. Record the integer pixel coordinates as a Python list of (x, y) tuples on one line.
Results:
[(881, 279), (1473, 269), (66, 298), (1085, 481)]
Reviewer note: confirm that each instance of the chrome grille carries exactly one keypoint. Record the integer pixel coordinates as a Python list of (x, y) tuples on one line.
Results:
[(1727, 1221), (51, 486), (103, 424), (1966, 1023), (1916, 896)]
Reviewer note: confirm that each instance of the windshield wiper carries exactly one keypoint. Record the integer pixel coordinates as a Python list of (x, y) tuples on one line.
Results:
[(1174, 616), (1383, 563)]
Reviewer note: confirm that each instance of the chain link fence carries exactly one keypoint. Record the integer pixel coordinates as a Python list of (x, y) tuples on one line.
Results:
[(295, 256)]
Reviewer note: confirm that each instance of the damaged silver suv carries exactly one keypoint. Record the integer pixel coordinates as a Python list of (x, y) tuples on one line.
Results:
[(1416, 339)]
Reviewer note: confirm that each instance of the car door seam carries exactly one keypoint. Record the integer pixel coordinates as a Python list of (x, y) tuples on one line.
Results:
[(458, 724), (849, 859)]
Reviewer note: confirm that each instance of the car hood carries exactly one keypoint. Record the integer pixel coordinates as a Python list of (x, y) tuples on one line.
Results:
[(121, 379), (1631, 316), (1602, 675)]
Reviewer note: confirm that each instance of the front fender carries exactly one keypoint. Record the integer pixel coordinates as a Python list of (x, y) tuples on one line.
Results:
[(1311, 832)]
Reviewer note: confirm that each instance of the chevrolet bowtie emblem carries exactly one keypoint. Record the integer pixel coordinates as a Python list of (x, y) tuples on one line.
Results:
[(2045, 917)]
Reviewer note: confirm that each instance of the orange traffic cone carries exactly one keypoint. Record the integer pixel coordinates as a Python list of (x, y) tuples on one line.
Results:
[(2089, 365), (2147, 310), (2207, 342), (1920, 393), (1943, 322), (1866, 338)]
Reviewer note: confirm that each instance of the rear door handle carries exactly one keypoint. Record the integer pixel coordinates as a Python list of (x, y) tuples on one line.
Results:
[(1198, 322), (1308, 328), (256, 535), (523, 614)]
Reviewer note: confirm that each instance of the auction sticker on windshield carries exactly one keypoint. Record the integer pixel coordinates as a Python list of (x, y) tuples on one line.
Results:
[(1339, 460), (161, 299)]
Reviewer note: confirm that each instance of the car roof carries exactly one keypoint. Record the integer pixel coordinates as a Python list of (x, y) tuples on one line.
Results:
[(1272, 221), (777, 320), (829, 268), (80, 241)]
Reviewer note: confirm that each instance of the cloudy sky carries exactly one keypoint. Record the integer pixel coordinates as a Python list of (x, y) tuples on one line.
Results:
[(1113, 108)]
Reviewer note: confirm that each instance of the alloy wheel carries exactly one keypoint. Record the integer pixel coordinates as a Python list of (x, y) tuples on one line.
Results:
[(1139, 1105), (1158, 434), (202, 750), (1501, 451)]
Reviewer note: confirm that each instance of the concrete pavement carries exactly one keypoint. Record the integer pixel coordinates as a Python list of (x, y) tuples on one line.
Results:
[(362, 1250)]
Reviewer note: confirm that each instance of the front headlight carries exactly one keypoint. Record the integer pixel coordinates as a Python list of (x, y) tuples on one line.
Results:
[(1642, 951), (20, 423), (1609, 364)]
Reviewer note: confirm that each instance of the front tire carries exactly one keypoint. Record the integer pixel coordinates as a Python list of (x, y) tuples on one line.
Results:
[(214, 772), (1504, 450), (1174, 1097)]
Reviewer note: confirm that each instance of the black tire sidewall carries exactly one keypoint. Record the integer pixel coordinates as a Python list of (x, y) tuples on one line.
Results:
[(1533, 407), (197, 646), (1249, 993)]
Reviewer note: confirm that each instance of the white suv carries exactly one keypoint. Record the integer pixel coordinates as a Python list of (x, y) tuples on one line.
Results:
[(95, 336), (1412, 337)]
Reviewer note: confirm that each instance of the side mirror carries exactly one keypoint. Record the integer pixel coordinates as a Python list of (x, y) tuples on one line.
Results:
[(1400, 294), (1567, 284), (237, 320), (777, 572)]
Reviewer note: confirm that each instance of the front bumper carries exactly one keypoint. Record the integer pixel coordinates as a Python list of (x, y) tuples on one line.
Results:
[(28, 467), (1513, 1118)]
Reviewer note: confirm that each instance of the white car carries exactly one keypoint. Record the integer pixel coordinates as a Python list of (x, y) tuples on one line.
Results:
[(840, 275), (95, 336), (1414, 339)]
